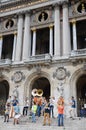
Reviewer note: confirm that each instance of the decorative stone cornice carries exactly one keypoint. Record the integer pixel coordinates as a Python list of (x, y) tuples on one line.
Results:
[(13, 5)]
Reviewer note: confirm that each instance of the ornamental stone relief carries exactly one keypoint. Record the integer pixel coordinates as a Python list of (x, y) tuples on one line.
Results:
[(41, 17), (8, 24), (18, 76), (61, 73)]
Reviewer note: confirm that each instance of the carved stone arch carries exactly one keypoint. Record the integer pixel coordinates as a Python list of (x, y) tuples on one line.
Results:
[(30, 80), (76, 75), (4, 93)]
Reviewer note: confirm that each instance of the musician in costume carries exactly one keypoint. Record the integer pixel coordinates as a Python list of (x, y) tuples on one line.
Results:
[(37, 99)]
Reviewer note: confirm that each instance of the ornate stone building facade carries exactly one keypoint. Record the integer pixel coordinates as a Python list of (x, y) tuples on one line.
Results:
[(43, 46)]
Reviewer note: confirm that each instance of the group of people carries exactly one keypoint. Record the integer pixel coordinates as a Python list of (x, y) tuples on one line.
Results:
[(12, 110), (40, 106)]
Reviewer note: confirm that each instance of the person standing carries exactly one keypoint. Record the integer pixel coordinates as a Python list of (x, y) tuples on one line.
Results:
[(7, 112), (14, 103), (60, 108), (34, 110), (25, 109), (17, 114), (73, 107), (47, 113), (52, 101)]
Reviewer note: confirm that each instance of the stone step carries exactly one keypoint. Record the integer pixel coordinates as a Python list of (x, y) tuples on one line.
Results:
[(26, 124)]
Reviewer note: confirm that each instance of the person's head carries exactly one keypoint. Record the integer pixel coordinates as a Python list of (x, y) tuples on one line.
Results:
[(33, 103), (9, 96), (72, 97), (61, 100)]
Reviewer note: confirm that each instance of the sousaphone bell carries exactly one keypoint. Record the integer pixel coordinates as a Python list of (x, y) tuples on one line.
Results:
[(37, 92)]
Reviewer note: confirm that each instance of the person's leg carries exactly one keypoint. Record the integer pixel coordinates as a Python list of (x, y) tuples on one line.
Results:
[(5, 118), (17, 121), (32, 117), (14, 121), (38, 110), (52, 111), (44, 122), (24, 111), (73, 113), (58, 119), (62, 120), (48, 117)]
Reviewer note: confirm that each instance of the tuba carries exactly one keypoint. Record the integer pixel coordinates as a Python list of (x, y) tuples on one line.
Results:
[(40, 92), (34, 92), (37, 92)]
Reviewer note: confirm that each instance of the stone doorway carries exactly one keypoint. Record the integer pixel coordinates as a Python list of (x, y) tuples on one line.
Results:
[(42, 83), (81, 93), (4, 92)]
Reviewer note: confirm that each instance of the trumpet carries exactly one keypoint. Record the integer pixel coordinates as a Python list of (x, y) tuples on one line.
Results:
[(37, 92)]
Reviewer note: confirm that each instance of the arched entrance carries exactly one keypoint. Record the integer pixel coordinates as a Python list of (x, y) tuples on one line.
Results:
[(4, 91), (42, 83), (81, 92)]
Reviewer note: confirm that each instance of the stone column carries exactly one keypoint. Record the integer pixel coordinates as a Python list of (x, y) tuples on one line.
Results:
[(57, 32), (51, 40), (14, 46), (1, 42), (74, 35), (27, 38), (19, 38), (34, 42), (66, 31)]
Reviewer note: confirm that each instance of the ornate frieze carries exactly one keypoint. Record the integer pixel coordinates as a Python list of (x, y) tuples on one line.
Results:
[(14, 5)]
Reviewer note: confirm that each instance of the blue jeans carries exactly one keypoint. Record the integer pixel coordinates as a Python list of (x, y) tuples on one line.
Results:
[(33, 117), (60, 120), (39, 111)]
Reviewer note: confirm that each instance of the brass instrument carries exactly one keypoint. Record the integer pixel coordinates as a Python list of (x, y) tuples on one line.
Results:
[(34, 92), (40, 92), (37, 92)]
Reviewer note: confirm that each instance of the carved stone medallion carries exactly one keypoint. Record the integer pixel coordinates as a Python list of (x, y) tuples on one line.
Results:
[(61, 73), (18, 76)]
